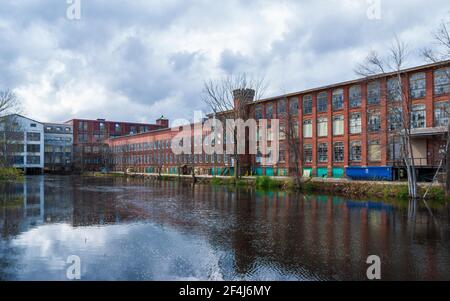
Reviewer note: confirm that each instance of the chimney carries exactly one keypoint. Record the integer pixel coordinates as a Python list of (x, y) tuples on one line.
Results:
[(163, 122), (244, 95)]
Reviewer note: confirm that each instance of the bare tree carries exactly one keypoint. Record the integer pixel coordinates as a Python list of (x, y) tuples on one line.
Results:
[(9, 128), (9, 103), (228, 98), (439, 53), (289, 128), (400, 106)]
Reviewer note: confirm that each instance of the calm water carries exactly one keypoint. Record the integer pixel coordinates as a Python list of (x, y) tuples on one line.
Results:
[(133, 230)]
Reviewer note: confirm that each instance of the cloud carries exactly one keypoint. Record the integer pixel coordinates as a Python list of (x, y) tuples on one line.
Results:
[(136, 60)]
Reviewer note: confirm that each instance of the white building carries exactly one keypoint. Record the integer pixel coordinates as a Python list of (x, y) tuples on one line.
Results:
[(22, 142)]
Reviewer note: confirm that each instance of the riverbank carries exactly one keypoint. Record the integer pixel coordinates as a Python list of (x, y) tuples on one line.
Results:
[(357, 189), (10, 174)]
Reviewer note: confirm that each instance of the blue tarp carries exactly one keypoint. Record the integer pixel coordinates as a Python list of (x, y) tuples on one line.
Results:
[(379, 173)]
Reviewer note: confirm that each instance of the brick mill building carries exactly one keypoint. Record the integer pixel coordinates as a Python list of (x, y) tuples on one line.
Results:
[(90, 149), (345, 129)]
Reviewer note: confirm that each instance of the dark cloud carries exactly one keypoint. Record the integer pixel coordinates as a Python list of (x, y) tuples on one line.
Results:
[(136, 60)]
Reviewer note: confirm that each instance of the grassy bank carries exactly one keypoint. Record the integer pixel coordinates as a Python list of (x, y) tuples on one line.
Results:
[(10, 174), (354, 189), (398, 191)]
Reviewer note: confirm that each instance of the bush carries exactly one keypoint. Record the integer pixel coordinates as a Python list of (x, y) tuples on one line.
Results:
[(216, 181), (265, 183), (436, 194), (10, 174), (402, 192)]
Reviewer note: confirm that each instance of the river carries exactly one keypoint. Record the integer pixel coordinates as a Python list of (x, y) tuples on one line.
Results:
[(131, 229)]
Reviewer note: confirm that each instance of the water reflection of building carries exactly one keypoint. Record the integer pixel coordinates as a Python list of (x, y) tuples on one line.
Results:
[(33, 202), (321, 237), (39, 201)]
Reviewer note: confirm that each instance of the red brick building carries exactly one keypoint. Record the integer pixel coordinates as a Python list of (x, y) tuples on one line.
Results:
[(152, 152), (342, 129), (90, 150)]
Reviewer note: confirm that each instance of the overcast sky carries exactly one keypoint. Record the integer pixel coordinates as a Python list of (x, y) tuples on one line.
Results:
[(135, 60)]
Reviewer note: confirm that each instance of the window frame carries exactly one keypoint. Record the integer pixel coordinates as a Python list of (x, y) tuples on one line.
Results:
[(337, 98), (355, 99)]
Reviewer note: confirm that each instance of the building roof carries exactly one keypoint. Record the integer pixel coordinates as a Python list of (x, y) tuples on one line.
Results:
[(109, 121), (22, 117), (56, 124), (355, 81)]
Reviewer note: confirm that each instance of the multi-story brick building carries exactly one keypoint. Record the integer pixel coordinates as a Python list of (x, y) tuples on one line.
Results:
[(348, 128), (152, 152), (90, 152)]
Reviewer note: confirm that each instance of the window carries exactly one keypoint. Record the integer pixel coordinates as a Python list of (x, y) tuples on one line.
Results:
[(307, 153), (355, 123), (355, 96), (258, 112), (442, 81), (355, 151), (282, 153), (441, 113), (395, 118), (33, 148), (117, 128), (374, 151), (373, 121), (269, 111), (14, 148), (373, 93), (307, 104), (417, 85), (322, 127), (338, 152), (295, 129), (307, 128), (418, 117), (338, 99), (394, 92), (33, 160), (83, 126), (338, 125), (293, 106), (322, 102), (34, 136), (394, 149), (282, 132), (281, 107), (18, 160), (33, 125), (322, 152)]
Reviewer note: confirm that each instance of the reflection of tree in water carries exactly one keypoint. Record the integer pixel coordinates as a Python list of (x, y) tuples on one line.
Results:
[(11, 214)]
